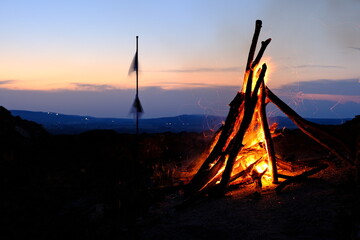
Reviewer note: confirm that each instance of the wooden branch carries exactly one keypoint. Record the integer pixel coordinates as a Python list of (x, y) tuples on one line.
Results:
[(258, 25), (284, 176), (211, 174), (311, 129), (258, 83), (248, 84), (300, 177), (268, 139), (245, 172), (264, 44), (205, 172), (249, 71)]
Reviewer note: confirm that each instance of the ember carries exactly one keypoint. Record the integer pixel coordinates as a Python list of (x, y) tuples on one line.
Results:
[(243, 147)]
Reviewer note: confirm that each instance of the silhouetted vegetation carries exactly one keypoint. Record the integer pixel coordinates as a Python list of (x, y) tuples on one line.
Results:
[(95, 185)]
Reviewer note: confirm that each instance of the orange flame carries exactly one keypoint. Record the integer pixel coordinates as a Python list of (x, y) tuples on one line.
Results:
[(253, 151)]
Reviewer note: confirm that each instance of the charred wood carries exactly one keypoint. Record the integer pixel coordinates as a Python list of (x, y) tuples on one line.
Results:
[(245, 172), (284, 176), (300, 177)]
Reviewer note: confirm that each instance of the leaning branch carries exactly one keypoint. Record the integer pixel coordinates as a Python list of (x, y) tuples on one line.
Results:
[(322, 137)]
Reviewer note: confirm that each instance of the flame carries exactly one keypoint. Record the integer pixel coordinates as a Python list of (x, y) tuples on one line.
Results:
[(253, 155), (254, 150), (261, 167), (257, 70), (254, 139)]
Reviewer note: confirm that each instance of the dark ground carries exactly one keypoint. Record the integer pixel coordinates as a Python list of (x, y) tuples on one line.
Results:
[(98, 185), (324, 207)]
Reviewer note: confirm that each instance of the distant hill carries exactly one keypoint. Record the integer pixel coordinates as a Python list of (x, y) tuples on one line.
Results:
[(17, 130), (57, 123)]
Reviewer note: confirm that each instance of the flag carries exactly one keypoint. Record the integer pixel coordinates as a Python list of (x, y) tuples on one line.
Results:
[(134, 67), (136, 107)]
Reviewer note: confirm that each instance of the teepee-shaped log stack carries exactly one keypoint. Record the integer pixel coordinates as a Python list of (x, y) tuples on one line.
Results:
[(246, 120)]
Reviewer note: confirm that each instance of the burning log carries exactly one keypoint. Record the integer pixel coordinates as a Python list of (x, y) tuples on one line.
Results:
[(256, 176), (217, 156), (245, 172)]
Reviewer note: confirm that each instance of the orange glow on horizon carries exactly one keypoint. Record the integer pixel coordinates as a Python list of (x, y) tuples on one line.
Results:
[(53, 78)]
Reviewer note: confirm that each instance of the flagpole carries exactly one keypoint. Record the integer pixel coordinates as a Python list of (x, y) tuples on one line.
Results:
[(137, 86)]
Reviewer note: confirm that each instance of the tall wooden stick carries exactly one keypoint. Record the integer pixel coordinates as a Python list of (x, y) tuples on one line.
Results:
[(249, 70), (258, 25), (268, 139)]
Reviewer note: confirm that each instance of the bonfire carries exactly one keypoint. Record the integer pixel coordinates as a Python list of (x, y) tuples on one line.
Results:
[(242, 148)]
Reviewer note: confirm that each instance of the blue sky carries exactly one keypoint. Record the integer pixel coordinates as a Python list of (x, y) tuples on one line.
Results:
[(73, 56)]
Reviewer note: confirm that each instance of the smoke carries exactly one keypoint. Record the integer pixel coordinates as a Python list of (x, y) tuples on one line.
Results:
[(342, 21), (338, 20)]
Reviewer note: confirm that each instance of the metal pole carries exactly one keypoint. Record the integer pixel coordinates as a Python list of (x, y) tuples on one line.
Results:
[(137, 86)]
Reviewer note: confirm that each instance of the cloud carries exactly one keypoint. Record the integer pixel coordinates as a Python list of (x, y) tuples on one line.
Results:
[(181, 86), (160, 102), (307, 108), (3, 82), (322, 98), (356, 48), (156, 101), (317, 66), (194, 70), (347, 87), (92, 87), (340, 99)]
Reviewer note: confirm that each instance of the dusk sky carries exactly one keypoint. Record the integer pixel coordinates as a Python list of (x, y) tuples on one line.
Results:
[(73, 57)]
